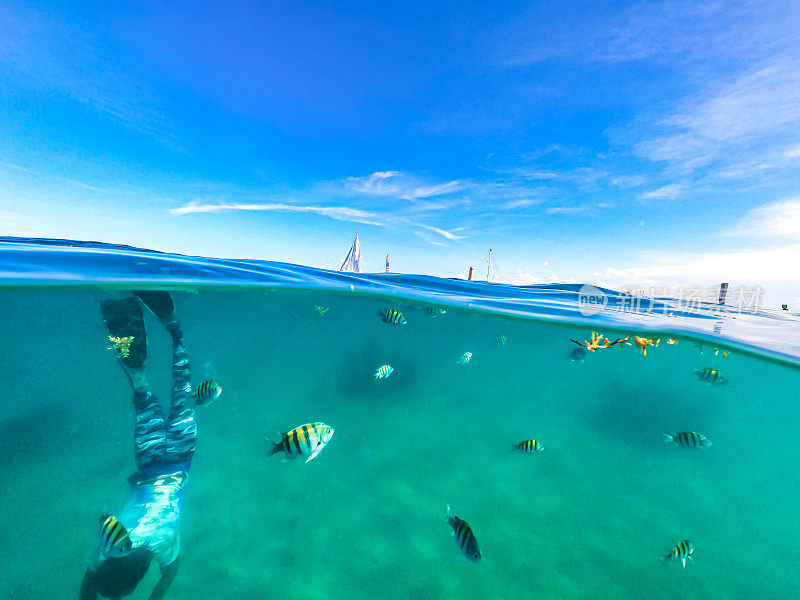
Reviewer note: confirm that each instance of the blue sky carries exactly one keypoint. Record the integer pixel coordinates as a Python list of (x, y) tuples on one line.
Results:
[(653, 143)]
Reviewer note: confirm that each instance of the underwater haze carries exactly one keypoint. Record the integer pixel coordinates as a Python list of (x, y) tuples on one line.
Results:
[(591, 516)]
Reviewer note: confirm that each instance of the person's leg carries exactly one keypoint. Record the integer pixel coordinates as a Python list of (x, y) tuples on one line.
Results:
[(181, 426), (124, 319)]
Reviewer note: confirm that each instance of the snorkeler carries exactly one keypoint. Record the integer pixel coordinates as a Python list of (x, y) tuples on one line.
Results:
[(147, 527)]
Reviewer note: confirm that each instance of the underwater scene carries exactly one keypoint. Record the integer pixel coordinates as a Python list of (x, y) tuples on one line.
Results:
[(330, 437)]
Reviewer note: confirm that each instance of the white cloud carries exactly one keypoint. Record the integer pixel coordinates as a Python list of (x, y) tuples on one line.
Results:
[(428, 238), (400, 185), (793, 152), (446, 234), (341, 213), (666, 192), (577, 210), (520, 277), (750, 265), (756, 110), (21, 169), (781, 218)]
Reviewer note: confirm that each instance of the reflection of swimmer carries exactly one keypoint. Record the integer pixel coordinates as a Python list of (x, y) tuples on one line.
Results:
[(577, 355), (163, 450)]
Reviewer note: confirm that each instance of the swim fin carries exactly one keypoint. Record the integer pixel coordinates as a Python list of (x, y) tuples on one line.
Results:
[(124, 318), (161, 305)]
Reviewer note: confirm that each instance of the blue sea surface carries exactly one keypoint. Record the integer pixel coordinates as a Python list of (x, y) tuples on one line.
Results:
[(591, 516)]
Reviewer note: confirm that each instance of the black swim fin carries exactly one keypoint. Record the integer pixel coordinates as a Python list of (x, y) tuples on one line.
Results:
[(161, 305), (124, 318)]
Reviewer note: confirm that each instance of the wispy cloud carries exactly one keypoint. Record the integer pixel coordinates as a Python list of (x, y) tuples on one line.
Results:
[(666, 192), (446, 234), (21, 169), (399, 185), (757, 109), (342, 213), (427, 238), (577, 209), (781, 218), (42, 54)]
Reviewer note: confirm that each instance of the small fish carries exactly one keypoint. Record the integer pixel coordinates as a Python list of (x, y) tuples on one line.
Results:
[(435, 311), (672, 341), (690, 439), (711, 376), (465, 358), (682, 552), (393, 317), (305, 440), (383, 371), (321, 309), (464, 536), (528, 446), (578, 354), (502, 340), (207, 392), (114, 539)]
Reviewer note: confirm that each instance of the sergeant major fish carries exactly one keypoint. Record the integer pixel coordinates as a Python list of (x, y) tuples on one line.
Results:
[(465, 358), (207, 392), (393, 317), (114, 539), (464, 536), (709, 375), (305, 440), (528, 446), (690, 439), (682, 551), (383, 371)]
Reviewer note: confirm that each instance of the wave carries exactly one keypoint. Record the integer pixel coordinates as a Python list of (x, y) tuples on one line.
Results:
[(58, 262)]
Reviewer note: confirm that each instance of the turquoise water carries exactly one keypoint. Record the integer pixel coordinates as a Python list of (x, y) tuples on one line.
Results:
[(589, 517)]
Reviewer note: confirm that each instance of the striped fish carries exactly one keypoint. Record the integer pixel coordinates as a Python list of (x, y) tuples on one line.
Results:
[(207, 392), (689, 439), (682, 552), (384, 371), (709, 375), (306, 440), (393, 317), (464, 536), (528, 446), (114, 539), (465, 358)]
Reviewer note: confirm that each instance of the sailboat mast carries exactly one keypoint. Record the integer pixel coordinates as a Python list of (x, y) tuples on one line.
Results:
[(489, 265)]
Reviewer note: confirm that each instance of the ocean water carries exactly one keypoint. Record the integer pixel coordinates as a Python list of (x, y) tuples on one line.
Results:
[(591, 516)]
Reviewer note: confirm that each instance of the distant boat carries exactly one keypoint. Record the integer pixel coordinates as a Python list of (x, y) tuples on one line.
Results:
[(352, 263)]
